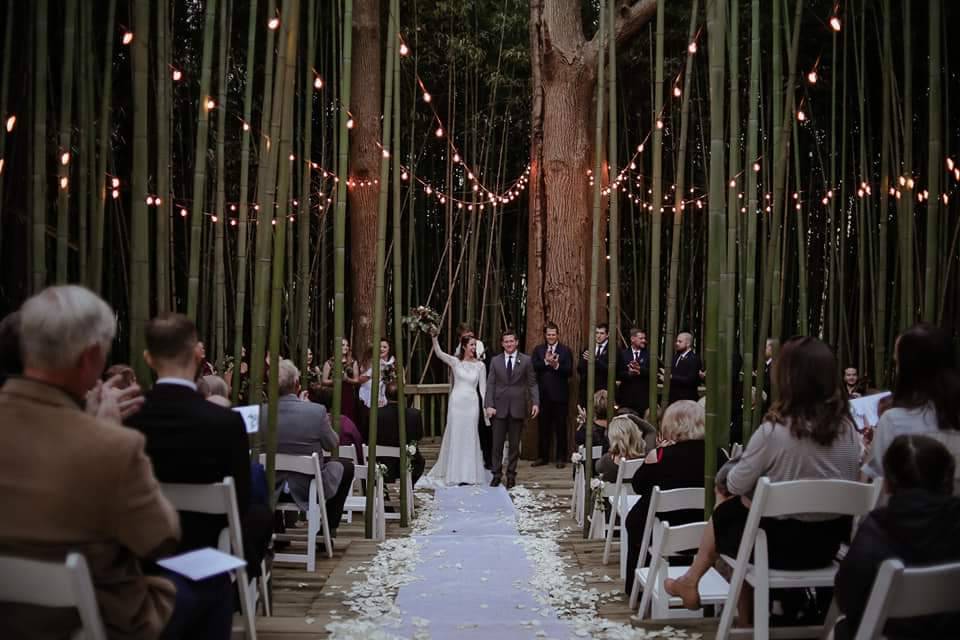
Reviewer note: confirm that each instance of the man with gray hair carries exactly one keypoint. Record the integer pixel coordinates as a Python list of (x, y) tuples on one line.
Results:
[(303, 428), (76, 480)]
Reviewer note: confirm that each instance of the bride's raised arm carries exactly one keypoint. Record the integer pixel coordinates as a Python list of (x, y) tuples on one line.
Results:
[(449, 360)]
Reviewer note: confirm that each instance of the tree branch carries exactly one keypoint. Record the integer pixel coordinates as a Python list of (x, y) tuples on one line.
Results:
[(632, 15)]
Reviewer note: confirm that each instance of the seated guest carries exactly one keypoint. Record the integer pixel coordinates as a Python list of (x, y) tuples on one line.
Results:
[(349, 433), (919, 525), (193, 441), (127, 376), (215, 390), (647, 431), (599, 435), (676, 463), (851, 380), (926, 396), (626, 443), (74, 481), (388, 435), (303, 428), (808, 434)]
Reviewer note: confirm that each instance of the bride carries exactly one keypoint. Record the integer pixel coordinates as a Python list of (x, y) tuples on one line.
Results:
[(461, 460)]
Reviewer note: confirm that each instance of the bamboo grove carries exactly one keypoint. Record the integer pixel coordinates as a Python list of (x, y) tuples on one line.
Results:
[(753, 170)]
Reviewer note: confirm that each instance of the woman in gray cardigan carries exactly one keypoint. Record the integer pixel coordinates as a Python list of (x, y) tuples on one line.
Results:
[(808, 434)]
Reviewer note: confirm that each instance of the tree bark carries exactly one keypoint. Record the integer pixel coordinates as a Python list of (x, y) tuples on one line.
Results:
[(365, 154)]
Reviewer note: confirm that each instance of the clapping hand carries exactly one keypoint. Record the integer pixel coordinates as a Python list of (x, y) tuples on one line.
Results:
[(107, 402)]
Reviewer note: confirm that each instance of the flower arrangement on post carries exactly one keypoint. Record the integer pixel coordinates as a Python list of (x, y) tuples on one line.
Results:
[(596, 485), (576, 458), (412, 448), (423, 319)]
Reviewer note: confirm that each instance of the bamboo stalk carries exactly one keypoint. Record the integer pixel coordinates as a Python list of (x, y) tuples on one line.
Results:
[(140, 223), (97, 223), (219, 278), (39, 179), (242, 229), (905, 226), (716, 28), (287, 82), (200, 161), (613, 234), (728, 276), (4, 92), (678, 204), (64, 144), (886, 126), (405, 497), (597, 214), (378, 296), (339, 220), (657, 217), (934, 158), (306, 209), (749, 295), (163, 127), (86, 156)]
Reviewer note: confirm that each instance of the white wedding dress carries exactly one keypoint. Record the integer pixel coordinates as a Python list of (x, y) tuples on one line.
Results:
[(461, 460)]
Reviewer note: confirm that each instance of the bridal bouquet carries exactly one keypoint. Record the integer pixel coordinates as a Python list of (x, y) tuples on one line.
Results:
[(423, 319)]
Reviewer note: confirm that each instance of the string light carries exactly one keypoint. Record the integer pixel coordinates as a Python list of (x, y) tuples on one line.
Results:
[(659, 124), (801, 116), (756, 166), (2, 162), (427, 97), (127, 37), (11, 123), (157, 201), (65, 158), (214, 218), (273, 24), (692, 47), (183, 213), (115, 193), (404, 49), (949, 164), (64, 182), (386, 154), (349, 123), (318, 83), (835, 23), (115, 183), (246, 127), (812, 77), (233, 223), (439, 132), (456, 157), (149, 201), (176, 75), (677, 92), (211, 104)]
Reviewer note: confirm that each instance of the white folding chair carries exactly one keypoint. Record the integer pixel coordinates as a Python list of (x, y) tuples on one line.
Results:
[(317, 521), (220, 498), (54, 584), (358, 503), (668, 541), (393, 453), (776, 499), (901, 592), (578, 500), (660, 502), (349, 452), (621, 498)]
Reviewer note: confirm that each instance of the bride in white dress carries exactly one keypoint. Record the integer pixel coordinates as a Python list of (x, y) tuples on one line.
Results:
[(461, 460)]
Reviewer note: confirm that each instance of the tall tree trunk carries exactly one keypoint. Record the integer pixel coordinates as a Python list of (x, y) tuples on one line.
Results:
[(200, 161), (564, 72), (365, 155)]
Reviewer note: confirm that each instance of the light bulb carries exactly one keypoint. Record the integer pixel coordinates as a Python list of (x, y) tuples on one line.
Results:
[(456, 157), (233, 223), (246, 127), (692, 47), (835, 23), (404, 49), (756, 166), (115, 193), (157, 201), (127, 37), (812, 77), (439, 132), (11, 123), (386, 153), (64, 182), (115, 182), (183, 213), (801, 116), (426, 97), (149, 201), (211, 104), (349, 123), (177, 75), (659, 124), (318, 83), (214, 218), (677, 92), (273, 24), (65, 158)]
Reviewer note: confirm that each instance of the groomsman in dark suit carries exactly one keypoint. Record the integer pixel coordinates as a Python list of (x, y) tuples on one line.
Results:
[(633, 372), (600, 382), (553, 364), (687, 370)]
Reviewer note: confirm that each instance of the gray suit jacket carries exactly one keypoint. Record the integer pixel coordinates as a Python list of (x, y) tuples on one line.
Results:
[(302, 429), (512, 395)]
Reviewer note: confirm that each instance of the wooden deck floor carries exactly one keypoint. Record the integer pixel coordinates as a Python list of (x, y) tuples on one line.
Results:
[(303, 602)]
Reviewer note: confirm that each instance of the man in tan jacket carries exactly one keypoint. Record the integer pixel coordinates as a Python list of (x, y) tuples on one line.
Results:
[(76, 480)]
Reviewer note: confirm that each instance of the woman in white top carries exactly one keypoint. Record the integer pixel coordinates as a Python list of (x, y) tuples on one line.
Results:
[(387, 362), (926, 396), (808, 434)]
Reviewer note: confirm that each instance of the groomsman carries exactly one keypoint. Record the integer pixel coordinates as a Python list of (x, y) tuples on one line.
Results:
[(633, 372), (553, 364), (600, 382), (687, 370)]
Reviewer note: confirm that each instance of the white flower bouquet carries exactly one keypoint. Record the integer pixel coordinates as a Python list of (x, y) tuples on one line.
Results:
[(576, 458), (412, 449)]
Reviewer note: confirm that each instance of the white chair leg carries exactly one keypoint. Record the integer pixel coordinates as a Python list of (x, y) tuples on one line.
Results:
[(264, 591), (312, 526), (614, 508), (635, 590), (624, 546), (245, 608)]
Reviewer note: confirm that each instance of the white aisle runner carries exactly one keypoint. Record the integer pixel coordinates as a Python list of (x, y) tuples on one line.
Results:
[(473, 580)]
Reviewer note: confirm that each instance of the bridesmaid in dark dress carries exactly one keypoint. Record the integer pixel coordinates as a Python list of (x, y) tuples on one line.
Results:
[(351, 380)]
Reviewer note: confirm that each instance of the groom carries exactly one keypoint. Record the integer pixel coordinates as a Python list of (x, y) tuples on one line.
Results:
[(511, 384)]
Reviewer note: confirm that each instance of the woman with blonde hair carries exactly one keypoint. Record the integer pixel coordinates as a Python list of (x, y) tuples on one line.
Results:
[(676, 463), (626, 443)]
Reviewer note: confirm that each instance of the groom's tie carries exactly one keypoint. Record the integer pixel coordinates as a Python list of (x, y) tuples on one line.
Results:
[(509, 366)]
